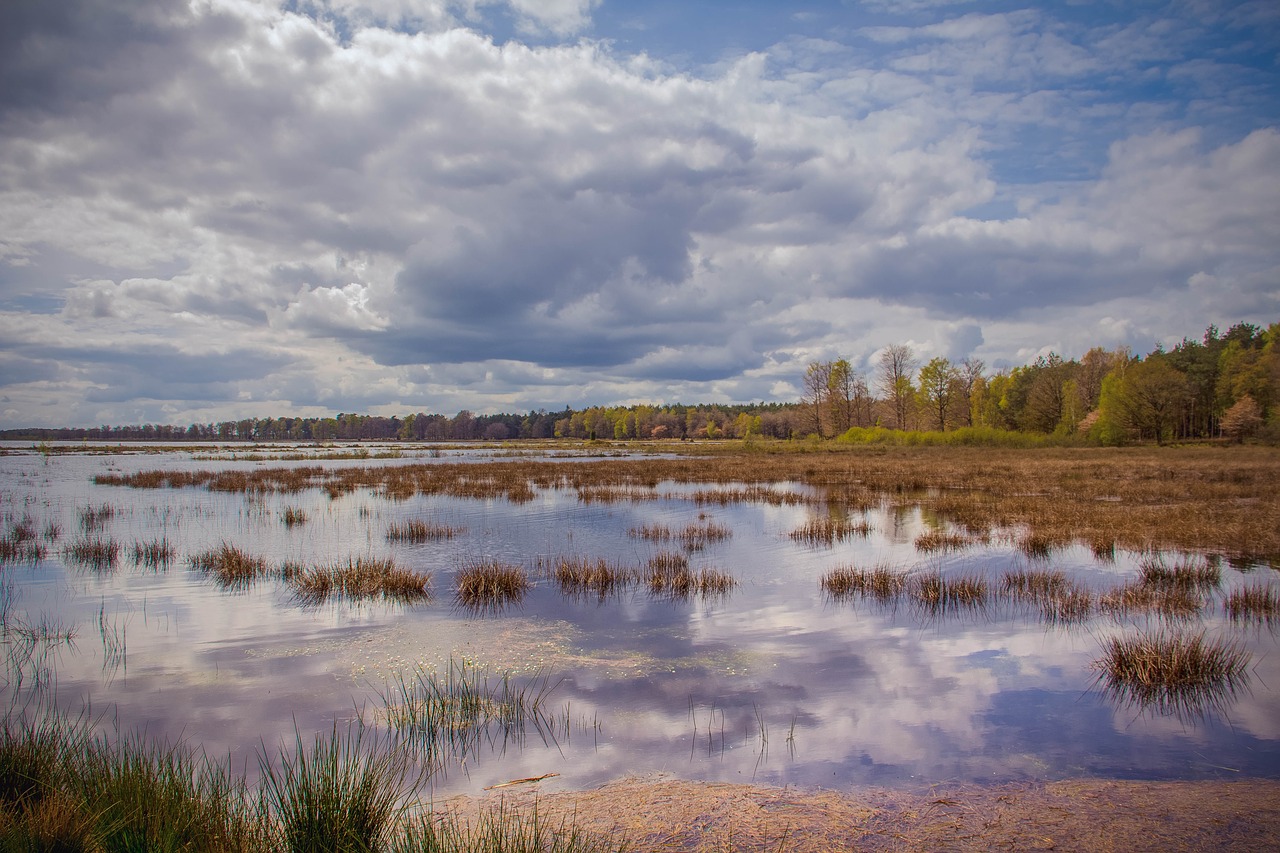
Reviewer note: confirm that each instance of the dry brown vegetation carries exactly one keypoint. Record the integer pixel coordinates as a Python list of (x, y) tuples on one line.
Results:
[(490, 585), (1194, 498), (359, 579)]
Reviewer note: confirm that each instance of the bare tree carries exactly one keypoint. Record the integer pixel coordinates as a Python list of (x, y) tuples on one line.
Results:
[(897, 366), (817, 388)]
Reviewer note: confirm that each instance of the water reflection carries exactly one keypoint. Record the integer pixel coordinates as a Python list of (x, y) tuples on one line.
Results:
[(725, 650)]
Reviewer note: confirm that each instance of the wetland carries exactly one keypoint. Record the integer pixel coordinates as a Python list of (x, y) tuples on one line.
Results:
[(807, 617)]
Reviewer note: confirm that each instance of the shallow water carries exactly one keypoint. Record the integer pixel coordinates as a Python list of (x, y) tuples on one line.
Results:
[(773, 682)]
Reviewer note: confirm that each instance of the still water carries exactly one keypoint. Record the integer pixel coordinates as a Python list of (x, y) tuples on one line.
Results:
[(774, 682)]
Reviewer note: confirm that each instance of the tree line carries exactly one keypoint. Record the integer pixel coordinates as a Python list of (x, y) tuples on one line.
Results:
[(1222, 385)]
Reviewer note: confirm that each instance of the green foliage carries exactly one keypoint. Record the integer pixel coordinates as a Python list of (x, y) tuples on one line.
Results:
[(962, 437)]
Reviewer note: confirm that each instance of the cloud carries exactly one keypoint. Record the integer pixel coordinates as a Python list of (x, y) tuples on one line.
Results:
[(399, 199)]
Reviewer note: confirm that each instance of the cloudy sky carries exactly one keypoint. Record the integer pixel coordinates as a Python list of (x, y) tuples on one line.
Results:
[(213, 209)]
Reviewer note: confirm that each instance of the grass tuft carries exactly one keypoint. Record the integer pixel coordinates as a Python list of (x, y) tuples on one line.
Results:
[(1178, 674), (362, 578), (492, 586), (417, 531), (231, 567)]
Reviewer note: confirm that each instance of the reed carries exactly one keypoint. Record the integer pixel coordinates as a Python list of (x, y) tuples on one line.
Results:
[(880, 583), (231, 567), (580, 575), (292, 516), (827, 531), (941, 540), (1170, 602), (452, 716), (1176, 673), (417, 531), (937, 594), (1034, 584), (489, 585), (95, 518), (360, 578), (652, 532), (1257, 603), (695, 537), (98, 553), (337, 793), (156, 555), (1193, 573)]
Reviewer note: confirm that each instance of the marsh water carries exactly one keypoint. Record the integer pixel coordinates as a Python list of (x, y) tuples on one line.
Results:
[(774, 681)]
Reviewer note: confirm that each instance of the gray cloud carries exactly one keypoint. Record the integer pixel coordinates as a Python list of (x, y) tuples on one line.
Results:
[(400, 202)]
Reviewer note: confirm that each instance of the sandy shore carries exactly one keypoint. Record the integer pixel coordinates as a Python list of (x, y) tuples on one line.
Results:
[(666, 814)]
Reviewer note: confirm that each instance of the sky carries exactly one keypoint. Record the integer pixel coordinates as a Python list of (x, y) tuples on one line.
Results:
[(218, 209)]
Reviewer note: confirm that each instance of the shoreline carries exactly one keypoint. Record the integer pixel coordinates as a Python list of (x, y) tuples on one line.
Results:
[(668, 814)]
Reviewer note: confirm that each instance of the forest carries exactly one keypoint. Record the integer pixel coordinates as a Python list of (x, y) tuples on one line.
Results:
[(1222, 386)]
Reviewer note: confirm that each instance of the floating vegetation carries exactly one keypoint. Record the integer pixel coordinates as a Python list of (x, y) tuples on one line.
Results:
[(491, 586), (1257, 603), (418, 531), (292, 516), (1172, 674), (231, 567), (98, 553), (881, 583), (156, 555), (361, 578), (827, 531)]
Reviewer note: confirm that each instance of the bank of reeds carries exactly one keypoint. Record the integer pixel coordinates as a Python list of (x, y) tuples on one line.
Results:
[(359, 579), (417, 531), (64, 787), (491, 585), (1225, 500), (1172, 673), (231, 567)]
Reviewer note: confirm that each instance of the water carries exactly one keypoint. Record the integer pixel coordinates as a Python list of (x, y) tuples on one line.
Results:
[(772, 683)]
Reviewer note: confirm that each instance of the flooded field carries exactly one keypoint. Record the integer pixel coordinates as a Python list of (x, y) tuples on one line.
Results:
[(612, 619)]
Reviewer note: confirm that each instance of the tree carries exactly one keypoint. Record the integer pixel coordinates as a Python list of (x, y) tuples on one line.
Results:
[(897, 364), (1151, 396), (939, 387), (817, 388), (841, 391), (1242, 420)]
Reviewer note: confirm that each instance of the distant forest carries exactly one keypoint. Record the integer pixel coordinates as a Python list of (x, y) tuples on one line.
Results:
[(1221, 386)]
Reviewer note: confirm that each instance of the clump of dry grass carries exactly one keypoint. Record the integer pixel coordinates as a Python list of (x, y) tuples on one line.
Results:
[(417, 531), (1172, 673), (652, 532), (98, 553), (361, 578), (695, 537), (491, 585), (578, 575), (156, 554), (827, 530), (1195, 573), (96, 518), (1172, 602), (881, 583), (937, 594), (292, 516), (231, 567), (1258, 603), (941, 540), (1034, 584)]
